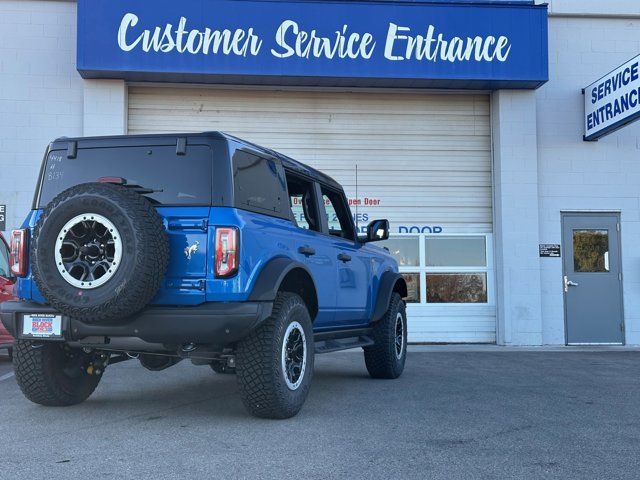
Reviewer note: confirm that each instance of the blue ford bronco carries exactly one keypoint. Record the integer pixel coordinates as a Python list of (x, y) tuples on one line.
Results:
[(202, 247)]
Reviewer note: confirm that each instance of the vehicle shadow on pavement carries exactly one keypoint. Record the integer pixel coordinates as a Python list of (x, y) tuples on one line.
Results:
[(189, 393)]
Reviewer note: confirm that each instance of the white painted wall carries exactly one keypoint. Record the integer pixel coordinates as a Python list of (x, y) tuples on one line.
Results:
[(40, 93), (105, 107), (593, 7), (577, 175), (515, 174)]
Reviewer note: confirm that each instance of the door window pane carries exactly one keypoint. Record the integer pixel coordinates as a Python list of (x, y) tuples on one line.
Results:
[(338, 214), (406, 250), (591, 250), (456, 287), (302, 201), (455, 251)]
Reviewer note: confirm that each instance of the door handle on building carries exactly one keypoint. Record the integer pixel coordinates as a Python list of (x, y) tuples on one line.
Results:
[(568, 283)]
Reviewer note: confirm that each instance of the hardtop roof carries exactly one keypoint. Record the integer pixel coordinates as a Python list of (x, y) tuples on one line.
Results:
[(167, 138)]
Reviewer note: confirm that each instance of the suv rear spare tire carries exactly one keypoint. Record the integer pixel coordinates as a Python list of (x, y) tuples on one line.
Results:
[(99, 252)]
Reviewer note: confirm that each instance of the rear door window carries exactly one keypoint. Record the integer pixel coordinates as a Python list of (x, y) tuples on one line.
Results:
[(176, 180), (259, 184)]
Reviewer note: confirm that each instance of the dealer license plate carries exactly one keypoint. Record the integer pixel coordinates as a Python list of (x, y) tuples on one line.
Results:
[(42, 325)]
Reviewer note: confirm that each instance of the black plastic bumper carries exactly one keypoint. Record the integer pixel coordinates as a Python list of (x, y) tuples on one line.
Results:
[(216, 323)]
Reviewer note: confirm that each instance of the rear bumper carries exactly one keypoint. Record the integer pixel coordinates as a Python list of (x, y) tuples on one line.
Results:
[(215, 323)]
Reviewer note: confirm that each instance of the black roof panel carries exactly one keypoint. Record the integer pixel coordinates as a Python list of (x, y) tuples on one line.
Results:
[(171, 138)]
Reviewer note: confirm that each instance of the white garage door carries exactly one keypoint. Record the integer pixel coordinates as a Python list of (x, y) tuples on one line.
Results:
[(423, 161)]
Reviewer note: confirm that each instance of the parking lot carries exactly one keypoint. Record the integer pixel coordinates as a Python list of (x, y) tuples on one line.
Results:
[(455, 413)]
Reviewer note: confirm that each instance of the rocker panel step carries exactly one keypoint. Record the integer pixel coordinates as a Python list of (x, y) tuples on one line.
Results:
[(337, 344)]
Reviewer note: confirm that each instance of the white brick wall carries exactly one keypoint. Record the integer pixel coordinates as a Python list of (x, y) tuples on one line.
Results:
[(593, 7), (515, 173), (41, 94), (105, 107), (577, 175)]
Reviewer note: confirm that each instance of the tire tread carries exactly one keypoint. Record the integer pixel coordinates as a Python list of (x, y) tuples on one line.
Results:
[(380, 358), (35, 370), (262, 390), (151, 255)]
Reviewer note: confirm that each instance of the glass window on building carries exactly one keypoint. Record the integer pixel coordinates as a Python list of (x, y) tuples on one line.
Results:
[(451, 269), (456, 251), (406, 250), (413, 287), (456, 288)]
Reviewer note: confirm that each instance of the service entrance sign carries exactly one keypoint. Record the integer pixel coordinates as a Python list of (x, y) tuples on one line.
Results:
[(613, 101)]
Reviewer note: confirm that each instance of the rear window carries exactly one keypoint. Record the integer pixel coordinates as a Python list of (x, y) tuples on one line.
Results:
[(180, 180)]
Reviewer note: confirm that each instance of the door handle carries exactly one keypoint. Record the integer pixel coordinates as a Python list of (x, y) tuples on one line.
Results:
[(568, 283), (306, 250), (344, 257)]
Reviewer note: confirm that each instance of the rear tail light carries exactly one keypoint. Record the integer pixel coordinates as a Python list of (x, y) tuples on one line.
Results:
[(18, 258), (227, 251)]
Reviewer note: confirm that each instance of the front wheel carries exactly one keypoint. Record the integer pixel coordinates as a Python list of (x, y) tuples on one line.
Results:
[(275, 363), (52, 374), (386, 358)]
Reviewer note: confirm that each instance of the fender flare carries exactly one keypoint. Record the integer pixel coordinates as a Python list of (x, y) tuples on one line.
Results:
[(390, 282), (271, 276)]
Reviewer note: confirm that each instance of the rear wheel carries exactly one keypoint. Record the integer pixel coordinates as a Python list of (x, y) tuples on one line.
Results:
[(53, 374), (275, 363), (386, 358)]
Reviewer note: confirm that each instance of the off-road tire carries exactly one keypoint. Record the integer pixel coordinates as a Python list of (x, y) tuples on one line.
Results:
[(261, 379), (381, 358), (40, 373), (145, 253)]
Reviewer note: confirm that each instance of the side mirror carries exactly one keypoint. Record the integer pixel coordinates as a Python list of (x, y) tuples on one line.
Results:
[(378, 230)]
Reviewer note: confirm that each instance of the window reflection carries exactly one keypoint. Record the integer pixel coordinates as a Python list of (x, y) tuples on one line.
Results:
[(413, 287), (455, 251), (456, 288), (406, 250), (591, 250)]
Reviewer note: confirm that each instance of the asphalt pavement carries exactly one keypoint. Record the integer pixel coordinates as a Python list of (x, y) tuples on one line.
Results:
[(455, 413)]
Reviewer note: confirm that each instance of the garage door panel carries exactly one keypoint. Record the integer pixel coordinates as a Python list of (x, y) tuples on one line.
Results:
[(423, 160), (425, 157)]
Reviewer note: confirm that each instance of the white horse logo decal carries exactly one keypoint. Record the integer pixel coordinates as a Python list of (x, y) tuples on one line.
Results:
[(189, 250)]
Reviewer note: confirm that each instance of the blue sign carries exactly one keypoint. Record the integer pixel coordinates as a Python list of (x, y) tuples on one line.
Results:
[(612, 101), (314, 43)]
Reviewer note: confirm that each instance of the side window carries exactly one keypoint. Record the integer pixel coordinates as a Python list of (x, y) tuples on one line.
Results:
[(302, 202), (258, 184), (338, 214)]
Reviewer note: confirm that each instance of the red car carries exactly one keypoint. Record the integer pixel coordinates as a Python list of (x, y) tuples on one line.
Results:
[(6, 292)]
